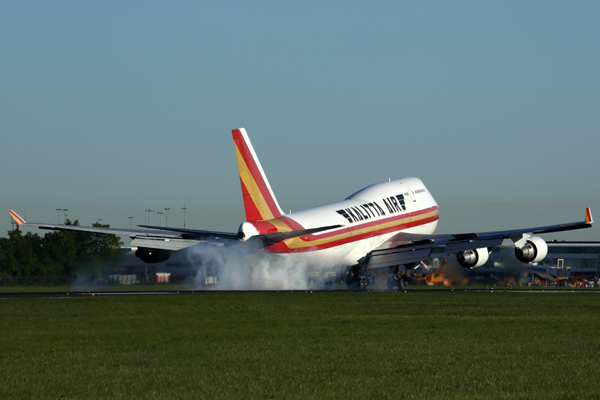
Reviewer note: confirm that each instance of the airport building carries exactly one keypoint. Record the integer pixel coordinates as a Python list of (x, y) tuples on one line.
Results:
[(570, 260), (566, 261), (574, 255)]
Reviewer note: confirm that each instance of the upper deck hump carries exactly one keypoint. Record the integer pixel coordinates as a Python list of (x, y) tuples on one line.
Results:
[(383, 189), (374, 202)]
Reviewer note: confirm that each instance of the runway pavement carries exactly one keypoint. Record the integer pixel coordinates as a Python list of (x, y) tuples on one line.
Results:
[(73, 295)]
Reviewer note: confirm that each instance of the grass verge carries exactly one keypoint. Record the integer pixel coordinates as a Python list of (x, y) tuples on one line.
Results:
[(303, 345)]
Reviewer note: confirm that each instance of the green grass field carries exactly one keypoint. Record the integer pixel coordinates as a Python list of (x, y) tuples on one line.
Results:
[(303, 345)]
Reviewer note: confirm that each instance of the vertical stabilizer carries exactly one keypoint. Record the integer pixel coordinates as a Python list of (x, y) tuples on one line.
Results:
[(259, 201)]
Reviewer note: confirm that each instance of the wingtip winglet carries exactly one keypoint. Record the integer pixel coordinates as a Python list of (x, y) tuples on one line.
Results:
[(588, 216), (20, 221)]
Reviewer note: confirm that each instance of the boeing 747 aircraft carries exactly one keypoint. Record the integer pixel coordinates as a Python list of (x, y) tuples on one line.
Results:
[(388, 224)]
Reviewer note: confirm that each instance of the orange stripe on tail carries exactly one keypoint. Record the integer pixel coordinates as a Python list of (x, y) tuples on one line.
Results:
[(259, 200)]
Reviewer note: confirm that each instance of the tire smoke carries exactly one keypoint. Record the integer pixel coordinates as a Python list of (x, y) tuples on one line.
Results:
[(239, 266)]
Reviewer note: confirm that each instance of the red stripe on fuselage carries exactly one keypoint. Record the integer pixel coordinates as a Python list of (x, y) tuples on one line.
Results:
[(291, 223), (264, 227), (281, 247)]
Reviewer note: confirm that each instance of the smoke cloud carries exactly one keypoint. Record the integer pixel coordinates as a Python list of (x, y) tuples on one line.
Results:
[(241, 266)]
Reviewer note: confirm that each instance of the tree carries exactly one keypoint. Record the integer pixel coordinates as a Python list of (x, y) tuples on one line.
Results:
[(59, 253), (96, 252), (20, 254), (60, 248)]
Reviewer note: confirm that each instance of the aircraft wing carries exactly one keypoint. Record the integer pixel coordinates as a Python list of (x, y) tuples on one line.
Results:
[(166, 238), (405, 248), (193, 232), (160, 238)]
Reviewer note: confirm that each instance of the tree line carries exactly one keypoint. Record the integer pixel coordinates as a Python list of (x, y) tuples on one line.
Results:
[(59, 253)]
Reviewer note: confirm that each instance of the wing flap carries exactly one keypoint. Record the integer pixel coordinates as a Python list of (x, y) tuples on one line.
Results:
[(390, 257), (453, 247)]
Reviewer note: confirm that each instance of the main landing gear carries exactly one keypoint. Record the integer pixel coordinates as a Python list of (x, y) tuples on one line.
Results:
[(357, 279), (398, 281)]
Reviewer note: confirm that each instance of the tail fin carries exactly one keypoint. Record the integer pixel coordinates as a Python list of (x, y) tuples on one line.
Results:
[(20, 221), (259, 200)]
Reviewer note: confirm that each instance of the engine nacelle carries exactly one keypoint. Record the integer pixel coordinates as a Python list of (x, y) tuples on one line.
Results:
[(473, 258), (534, 250), (246, 231), (152, 256)]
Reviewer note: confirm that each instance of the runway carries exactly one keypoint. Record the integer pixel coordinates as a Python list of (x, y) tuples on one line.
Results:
[(95, 294)]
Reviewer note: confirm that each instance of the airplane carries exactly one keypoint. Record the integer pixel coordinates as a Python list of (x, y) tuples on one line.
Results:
[(385, 225)]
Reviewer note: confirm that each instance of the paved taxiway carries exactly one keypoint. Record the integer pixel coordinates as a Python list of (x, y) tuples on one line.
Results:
[(73, 295)]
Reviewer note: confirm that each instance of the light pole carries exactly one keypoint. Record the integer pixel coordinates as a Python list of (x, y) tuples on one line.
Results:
[(161, 214), (184, 208), (65, 215), (130, 222), (149, 210), (98, 221), (167, 216), (58, 210)]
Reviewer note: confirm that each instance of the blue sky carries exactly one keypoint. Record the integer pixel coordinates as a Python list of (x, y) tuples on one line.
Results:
[(111, 108)]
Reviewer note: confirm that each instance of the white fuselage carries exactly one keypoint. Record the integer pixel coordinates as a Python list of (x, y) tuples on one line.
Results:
[(368, 218)]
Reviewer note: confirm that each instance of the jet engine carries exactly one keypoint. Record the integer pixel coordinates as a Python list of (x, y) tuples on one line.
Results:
[(246, 231), (152, 256), (534, 250), (473, 258)]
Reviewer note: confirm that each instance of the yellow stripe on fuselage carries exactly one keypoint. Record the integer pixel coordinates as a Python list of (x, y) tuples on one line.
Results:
[(298, 243), (280, 225)]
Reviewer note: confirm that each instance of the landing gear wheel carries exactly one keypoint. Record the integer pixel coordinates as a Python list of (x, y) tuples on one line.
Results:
[(402, 283)]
